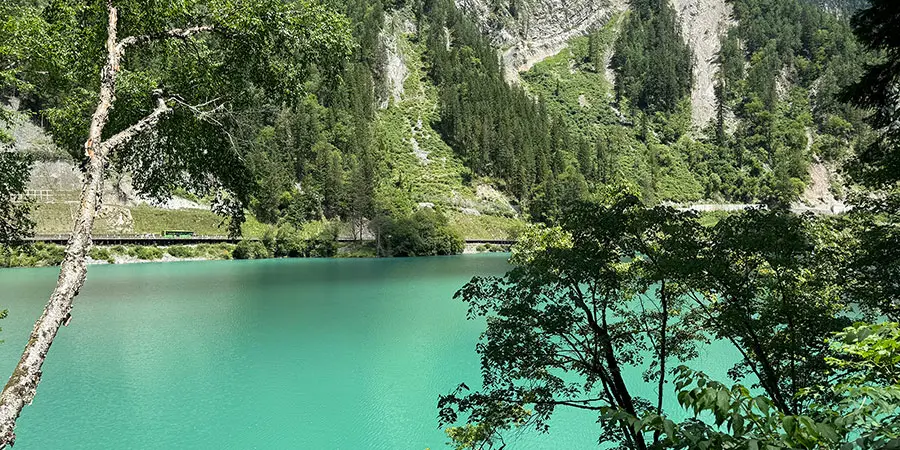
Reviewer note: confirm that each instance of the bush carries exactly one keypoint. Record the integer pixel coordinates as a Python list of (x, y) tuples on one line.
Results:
[(100, 254), (287, 241), (424, 233), (147, 253), (49, 254), (182, 251), (250, 250), (322, 245), (215, 251)]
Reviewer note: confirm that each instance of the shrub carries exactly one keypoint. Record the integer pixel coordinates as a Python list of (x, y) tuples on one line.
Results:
[(148, 253), (425, 233), (322, 245), (182, 251), (100, 254), (250, 250), (48, 254), (214, 251), (287, 241)]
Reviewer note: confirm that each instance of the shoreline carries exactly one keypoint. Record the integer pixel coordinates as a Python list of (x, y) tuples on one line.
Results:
[(50, 255)]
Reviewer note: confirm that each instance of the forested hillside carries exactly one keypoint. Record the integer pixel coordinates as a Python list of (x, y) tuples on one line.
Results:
[(777, 75), (422, 115)]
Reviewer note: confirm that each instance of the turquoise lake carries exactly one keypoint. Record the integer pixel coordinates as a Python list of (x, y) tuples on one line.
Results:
[(275, 354)]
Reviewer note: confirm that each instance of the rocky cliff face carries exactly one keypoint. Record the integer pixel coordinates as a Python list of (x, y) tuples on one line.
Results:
[(528, 31), (704, 23), (392, 68)]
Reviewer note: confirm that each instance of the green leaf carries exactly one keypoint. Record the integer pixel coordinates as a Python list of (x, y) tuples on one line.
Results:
[(669, 428), (789, 423), (737, 424), (827, 432), (722, 401)]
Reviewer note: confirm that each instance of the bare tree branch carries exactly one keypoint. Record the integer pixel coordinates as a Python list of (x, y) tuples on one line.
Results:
[(142, 126), (175, 33)]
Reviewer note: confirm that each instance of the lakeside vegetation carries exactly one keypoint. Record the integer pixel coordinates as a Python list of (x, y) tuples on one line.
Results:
[(604, 281)]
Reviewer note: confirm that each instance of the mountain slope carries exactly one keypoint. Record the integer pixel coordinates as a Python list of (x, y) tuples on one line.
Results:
[(603, 93), (704, 23), (529, 31)]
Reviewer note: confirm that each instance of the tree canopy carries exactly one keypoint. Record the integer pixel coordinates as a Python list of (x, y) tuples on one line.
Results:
[(155, 88)]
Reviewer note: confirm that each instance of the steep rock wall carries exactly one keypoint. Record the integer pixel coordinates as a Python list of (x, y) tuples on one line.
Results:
[(392, 66), (529, 31), (704, 24)]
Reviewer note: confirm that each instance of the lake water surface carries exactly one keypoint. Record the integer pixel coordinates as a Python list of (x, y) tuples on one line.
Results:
[(276, 354)]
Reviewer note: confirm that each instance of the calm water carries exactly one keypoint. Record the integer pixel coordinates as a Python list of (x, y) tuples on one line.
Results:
[(280, 354)]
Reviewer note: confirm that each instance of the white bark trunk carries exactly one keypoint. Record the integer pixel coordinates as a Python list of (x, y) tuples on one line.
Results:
[(22, 385)]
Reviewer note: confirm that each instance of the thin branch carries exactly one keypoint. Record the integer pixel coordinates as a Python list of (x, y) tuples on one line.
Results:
[(142, 126), (175, 33), (207, 116)]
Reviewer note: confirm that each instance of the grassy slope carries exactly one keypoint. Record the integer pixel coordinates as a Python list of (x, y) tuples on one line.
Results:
[(573, 90), (53, 218), (440, 180)]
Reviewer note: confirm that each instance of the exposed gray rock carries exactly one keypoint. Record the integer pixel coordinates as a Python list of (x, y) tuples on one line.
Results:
[(393, 66), (114, 219), (537, 29), (704, 23)]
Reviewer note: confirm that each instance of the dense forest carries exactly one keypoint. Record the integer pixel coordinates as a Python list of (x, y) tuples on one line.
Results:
[(286, 110), (339, 149)]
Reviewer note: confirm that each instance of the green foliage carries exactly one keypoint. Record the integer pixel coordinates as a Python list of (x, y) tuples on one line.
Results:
[(781, 87), (793, 48), (15, 221), (100, 254), (570, 85), (618, 286), (484, 226), (250, 250), (865, 414), (878, 164), (497, 129), (39, 254), (257, 53), (287, 241), (146, 253), (873, 245), (652, 62), (215, 251), (423, 233), (317, 157), (762, 269), (182, 251), (583, 302)]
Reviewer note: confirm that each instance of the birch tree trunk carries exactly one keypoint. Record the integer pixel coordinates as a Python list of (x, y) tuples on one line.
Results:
[(22, 385)]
